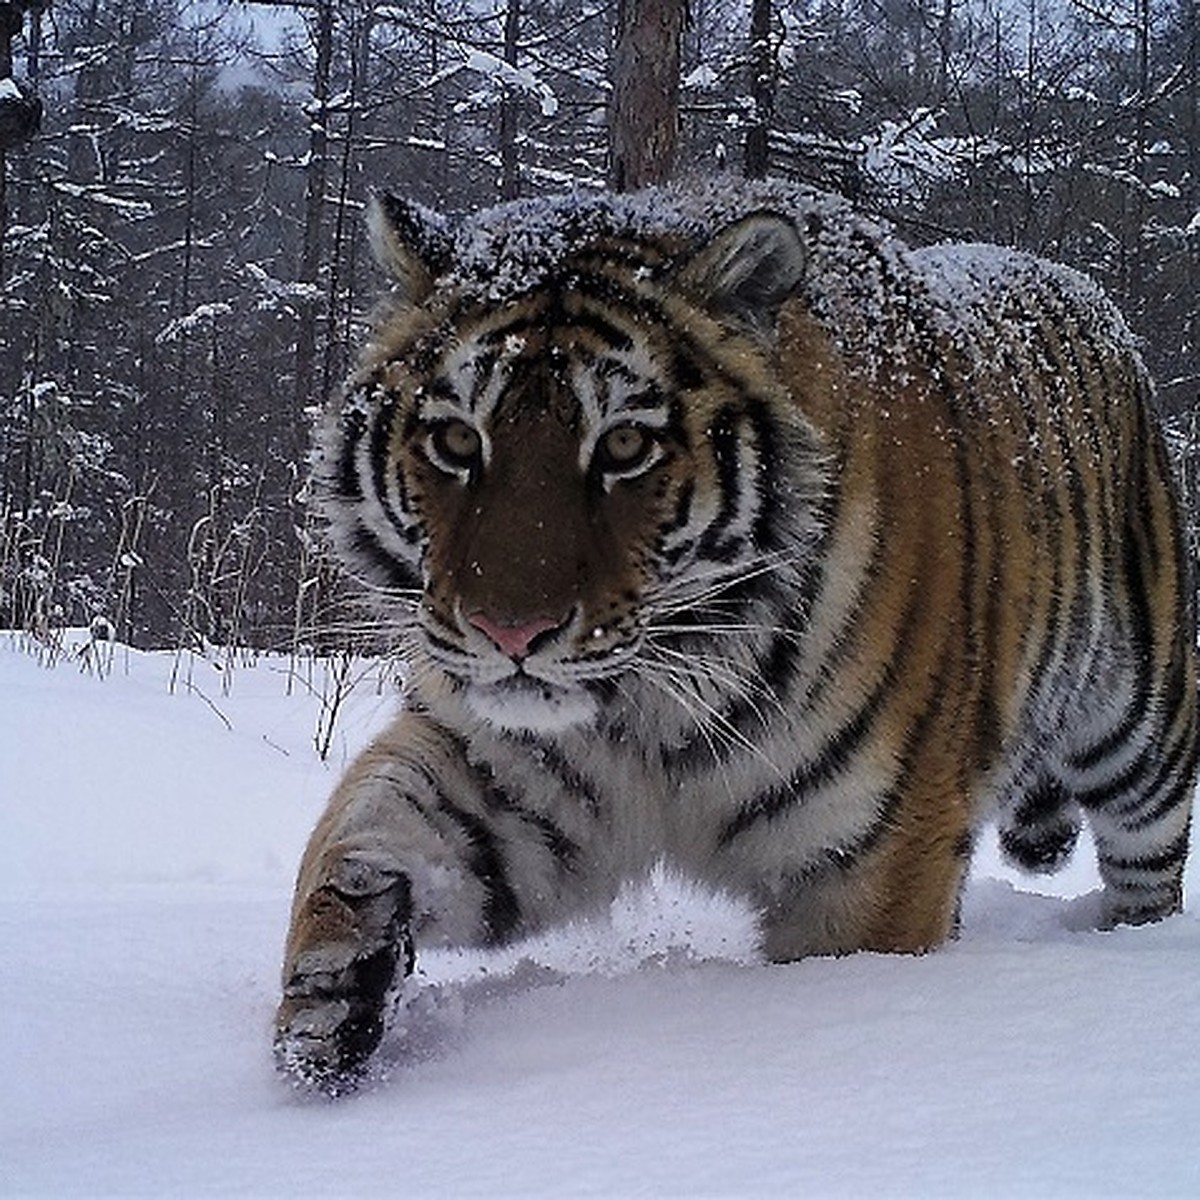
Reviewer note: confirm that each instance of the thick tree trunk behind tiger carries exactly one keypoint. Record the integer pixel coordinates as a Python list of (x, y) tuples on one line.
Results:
[(643, 121)]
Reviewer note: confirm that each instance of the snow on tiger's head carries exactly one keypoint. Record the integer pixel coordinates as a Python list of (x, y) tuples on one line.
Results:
[(567, 449)]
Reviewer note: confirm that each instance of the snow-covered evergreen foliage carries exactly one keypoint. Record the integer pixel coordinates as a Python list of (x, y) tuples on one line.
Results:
[(182, 252)]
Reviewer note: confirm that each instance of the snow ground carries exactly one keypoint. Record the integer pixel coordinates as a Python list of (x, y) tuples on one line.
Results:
[(146, 862)]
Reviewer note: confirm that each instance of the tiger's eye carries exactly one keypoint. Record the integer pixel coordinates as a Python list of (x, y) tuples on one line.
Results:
[(457, 443), (623, 447)]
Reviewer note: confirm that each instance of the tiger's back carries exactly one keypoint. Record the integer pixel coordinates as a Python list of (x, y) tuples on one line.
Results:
[(718, 527), (1036, 584)]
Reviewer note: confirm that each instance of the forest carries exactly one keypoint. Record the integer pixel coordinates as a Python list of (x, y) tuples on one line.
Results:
[(183, 275)]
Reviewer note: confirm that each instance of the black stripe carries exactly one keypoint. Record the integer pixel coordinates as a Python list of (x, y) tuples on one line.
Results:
[(445, 645), (835, 756), (351, 428), (1097, 390), (566, 850), (383, 566), (1063, 334), (575, 785), (848, 855), (682, 514), (984, 735), (1179, 794), (501, 908), (608, 290), (1054, 630), (588, 318), (1038, 349), (1142, 645), (1165, 485), (381, 431), (498, 798), (833, 759), (768, 482), (686, 375), (1081, 617), (1164, 860), (1122, 784), (777, 669), (723, 438), (1103, 795), (996, 605)]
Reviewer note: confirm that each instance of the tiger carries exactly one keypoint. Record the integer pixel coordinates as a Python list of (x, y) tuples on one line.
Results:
[(717, 528)]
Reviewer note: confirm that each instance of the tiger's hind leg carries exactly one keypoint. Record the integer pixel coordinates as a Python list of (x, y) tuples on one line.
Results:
[(1135, 786), (1039, 831), (1142, 840), (1136, 781), (1139, 820)]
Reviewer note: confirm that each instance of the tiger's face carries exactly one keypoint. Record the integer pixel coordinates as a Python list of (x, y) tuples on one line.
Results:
[(580, 477)]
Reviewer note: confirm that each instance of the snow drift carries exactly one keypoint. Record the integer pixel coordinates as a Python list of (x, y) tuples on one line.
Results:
[(150, 838)]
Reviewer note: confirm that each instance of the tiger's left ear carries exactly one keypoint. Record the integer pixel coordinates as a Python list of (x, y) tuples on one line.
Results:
[(412, 243), (748, 270)]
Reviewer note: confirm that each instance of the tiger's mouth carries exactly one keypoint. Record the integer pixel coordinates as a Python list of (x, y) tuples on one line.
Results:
[(520, 703), (522, 680)]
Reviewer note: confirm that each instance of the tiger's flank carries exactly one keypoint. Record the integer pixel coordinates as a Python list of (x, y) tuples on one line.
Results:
[(716, 527)]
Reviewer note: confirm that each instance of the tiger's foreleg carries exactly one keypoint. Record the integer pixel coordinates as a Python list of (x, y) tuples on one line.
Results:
[(413, 848), (349, 949), (900, 895)]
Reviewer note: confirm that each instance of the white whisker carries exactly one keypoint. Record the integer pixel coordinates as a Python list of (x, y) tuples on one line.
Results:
[(682, 686)]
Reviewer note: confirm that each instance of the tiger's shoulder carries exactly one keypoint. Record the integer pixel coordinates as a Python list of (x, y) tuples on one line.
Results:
[(979, 294)]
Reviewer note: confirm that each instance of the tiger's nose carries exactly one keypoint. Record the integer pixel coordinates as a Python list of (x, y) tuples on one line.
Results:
[(514, 639)]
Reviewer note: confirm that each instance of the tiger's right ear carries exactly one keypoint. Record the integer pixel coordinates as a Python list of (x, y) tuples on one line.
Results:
[(749, 269), (412, 243)]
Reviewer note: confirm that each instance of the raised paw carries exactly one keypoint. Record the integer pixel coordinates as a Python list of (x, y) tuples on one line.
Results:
[(349, 953)]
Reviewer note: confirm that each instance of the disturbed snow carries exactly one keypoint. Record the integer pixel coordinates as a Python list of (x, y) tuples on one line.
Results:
[(145, 870)]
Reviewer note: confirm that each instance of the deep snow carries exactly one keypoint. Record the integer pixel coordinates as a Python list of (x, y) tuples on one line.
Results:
[(146, 861)]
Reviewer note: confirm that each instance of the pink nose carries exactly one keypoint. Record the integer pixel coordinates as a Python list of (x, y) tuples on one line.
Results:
[(514, 640)]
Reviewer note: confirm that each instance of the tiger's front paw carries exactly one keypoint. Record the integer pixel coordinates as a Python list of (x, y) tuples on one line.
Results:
[(350, 951)]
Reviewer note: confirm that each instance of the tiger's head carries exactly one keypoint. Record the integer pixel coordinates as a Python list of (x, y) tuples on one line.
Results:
[(564, 483)]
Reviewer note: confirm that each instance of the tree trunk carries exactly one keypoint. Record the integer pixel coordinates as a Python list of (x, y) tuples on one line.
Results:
[(339, 302), (945, 47), (20, 117), (762, 90), (314, 200), (8, 30), (643, 120), (510, 178), (1192, 125), (1139, 216)]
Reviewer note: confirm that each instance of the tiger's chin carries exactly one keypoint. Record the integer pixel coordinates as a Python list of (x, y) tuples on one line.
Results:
[(523, 705)]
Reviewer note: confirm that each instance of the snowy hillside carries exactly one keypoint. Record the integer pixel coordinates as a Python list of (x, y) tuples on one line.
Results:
[(149, 840)]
